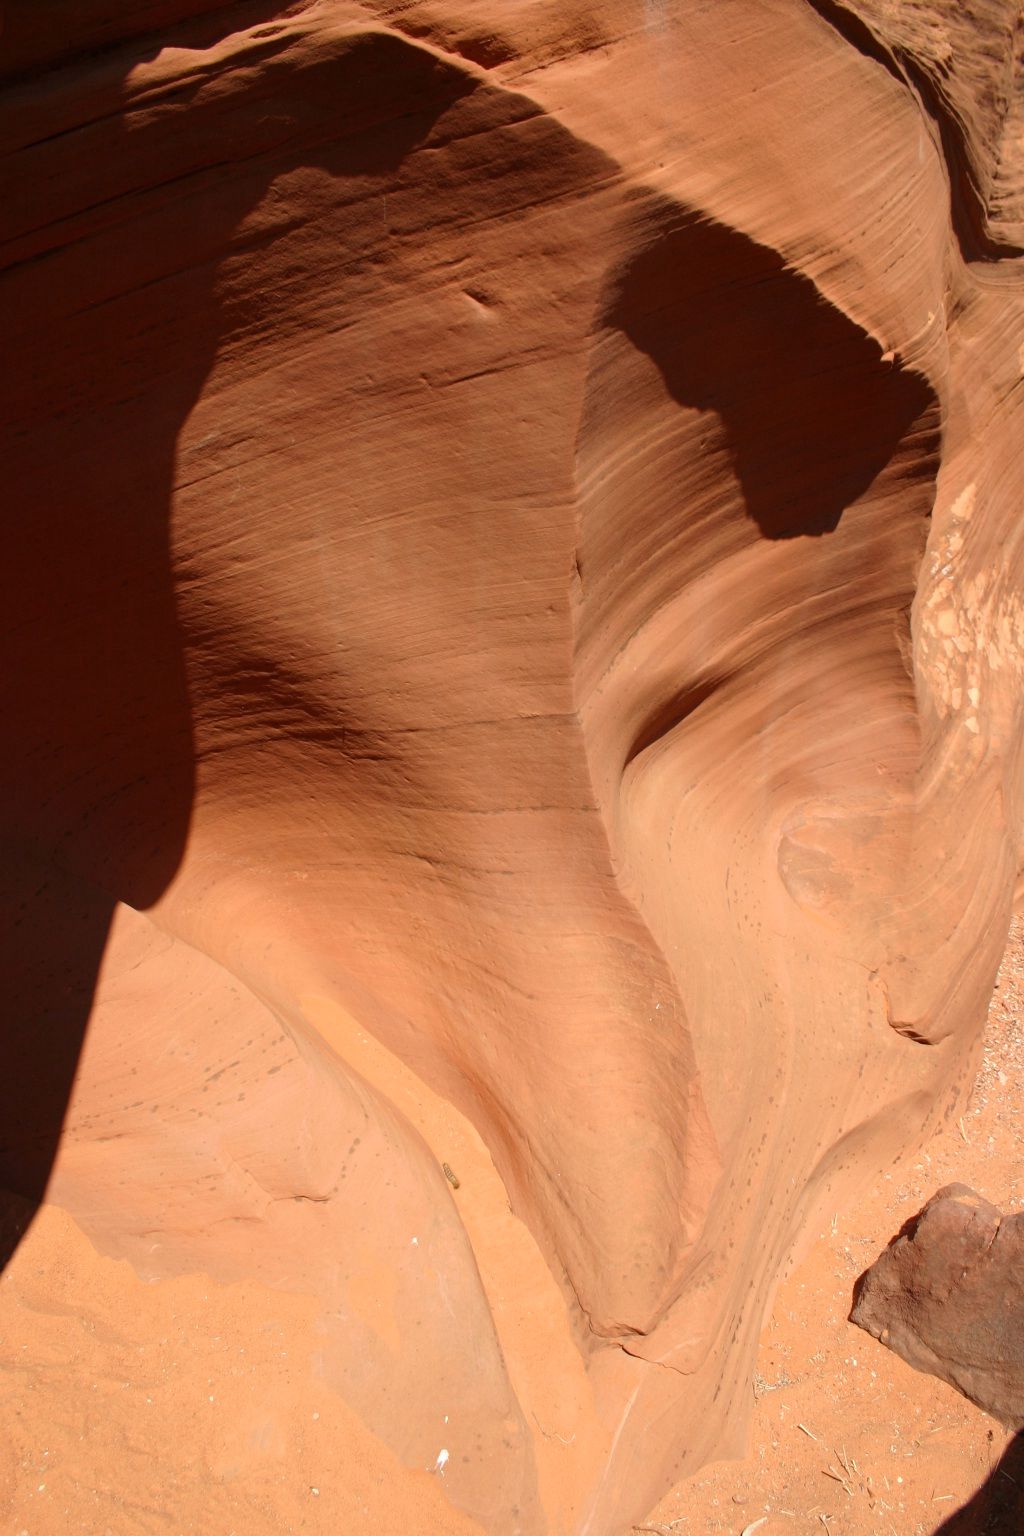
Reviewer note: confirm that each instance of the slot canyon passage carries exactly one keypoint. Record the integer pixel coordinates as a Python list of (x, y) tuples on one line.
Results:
[(513, 643)]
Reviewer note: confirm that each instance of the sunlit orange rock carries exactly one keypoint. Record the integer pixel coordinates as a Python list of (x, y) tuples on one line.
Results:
[(514, 646)]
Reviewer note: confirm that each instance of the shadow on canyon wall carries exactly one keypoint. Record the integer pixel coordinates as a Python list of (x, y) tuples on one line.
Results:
[(110, 327), (812, 412)]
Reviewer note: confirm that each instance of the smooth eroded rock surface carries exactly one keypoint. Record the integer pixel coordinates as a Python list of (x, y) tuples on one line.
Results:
[(513, 649)]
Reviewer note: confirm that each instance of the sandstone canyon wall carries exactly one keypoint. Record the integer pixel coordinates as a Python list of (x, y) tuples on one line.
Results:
[(513, 658)]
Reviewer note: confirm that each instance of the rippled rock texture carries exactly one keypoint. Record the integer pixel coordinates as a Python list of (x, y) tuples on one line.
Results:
[(514, 639)]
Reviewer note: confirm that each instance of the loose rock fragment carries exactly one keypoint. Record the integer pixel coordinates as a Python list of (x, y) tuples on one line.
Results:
[(947, 1295)]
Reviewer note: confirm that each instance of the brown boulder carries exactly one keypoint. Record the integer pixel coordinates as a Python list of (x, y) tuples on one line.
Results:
[(948, 1296)]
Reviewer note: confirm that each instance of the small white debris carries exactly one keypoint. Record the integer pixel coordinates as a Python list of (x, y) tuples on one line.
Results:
[(315, 1492), (415, 1242), (316, 1415), (441, 1462)]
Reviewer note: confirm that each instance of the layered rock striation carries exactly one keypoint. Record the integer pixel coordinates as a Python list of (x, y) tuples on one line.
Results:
[(514, 636)]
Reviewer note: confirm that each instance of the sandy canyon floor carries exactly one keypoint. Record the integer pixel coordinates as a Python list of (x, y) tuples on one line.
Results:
[(845, 1437), (191, 1407)]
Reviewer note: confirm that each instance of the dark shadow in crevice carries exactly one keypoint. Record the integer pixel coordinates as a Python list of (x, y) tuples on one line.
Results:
[(997, 1509), (672, 713), (968, 210), (811, 410), (853, 29)]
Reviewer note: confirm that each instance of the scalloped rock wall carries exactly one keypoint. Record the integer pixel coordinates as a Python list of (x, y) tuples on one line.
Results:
[(514, 629)]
